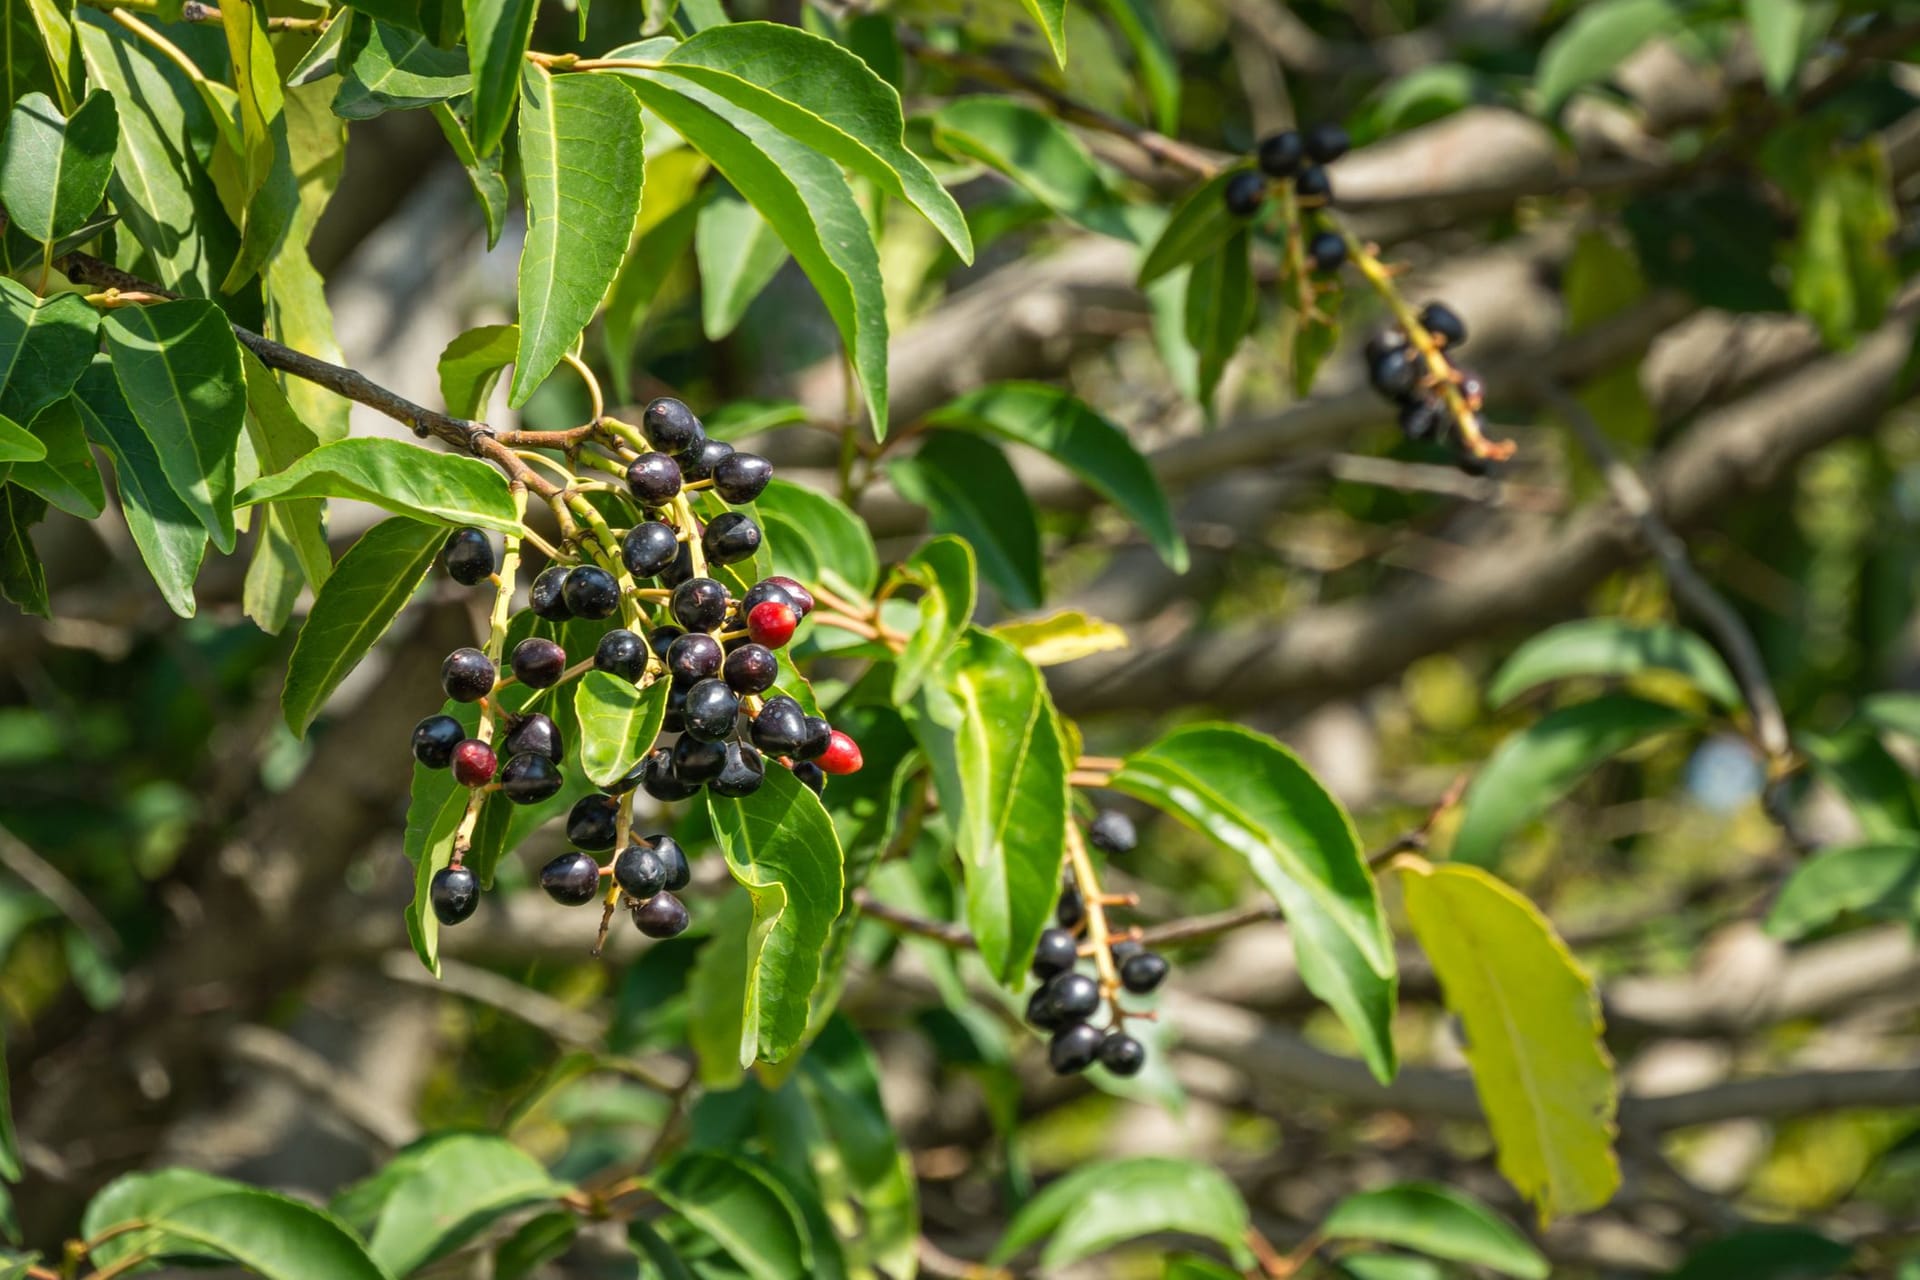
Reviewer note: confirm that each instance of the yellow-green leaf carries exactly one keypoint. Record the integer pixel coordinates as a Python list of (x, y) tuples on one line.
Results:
[(1062, 637)]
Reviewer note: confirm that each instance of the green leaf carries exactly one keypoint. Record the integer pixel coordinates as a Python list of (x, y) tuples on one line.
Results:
[(1254, 798), (1594, 42), (1067, 430), (18, 444), (1389, 1266), (580, 154), (999, 763), (498, 33), (11, 1170), (1876, 788), (322, 57), (386, 68), (271, 1235), (646, 1242), (780, 844), (1541, 763), (369, 587), (739, 255), (1896, 712), (842, 1080), (1061, 637), (1766, 1253), (171, 540), (1106, 1202), (24, 60), (1199, 225), (618, 722), (969, 488), (742, 1207), (406, 479), (1313, 342), (1844, 275), (268, 197), (1780, 38), (486, 173), (1221, 306), (451, 1186), (944, 569), (66, 476), (538, 1241), (22, 579), (746, 417), (1532, 1030), (1879, 881), (141, 1197), (281, 439), (812, 533), (1052, 17), (1437, 1220), (44, 348), (54, 170), (1613, 648), (1140, 23), (1036, 152), (470, 367)]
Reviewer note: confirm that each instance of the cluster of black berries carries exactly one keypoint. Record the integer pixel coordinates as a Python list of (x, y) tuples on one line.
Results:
[(1067, 999), (649, 871), (1401, 373), (1296, 156)]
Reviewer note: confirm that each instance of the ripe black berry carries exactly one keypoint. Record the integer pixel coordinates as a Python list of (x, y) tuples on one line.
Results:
[(740, 477), (818, 737), (1112, 832), (698, 762), (656, 775), (654, 479), (742, 775), (801, 597), (1055, 953), (711, 711), (1327, 251), (1280, 154), (730, 537), (674, 859), (1075, 995), (681, 570), (1073, 1049), (661, 639), (630, 779), (1071, 910), (699, 604), (538, 662), (1122, 1054), (1042, 1014), (1396, 373), (698, 462), (1124, 948), (434, 740), (1245, 192), (547, 596), (591, 592), (1142, 973), (639, 872), (780, 727), (454, 893), (1326, 142), (811, 776), (649, 548), (535, 734), (468, 557), (1383, 341), (530, 778), (670, 425), (1424, 418), (474, 763), (621, 653), (1444, 323), (694, 656), (752, 668), (674, 720), (572, 879), (592, 822), (1313, 187), (467, 675), (662, 916)]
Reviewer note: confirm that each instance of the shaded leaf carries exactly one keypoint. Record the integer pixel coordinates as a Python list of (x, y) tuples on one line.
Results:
[(1052, 17), (1437, 1220), (268, 194), (1159, 66), (1876, 788), (944, 569), (1037, 152), (1612, 647), (498, 33), (812, 533), (403, 478), (450, 1187), (841, 1077), (1104, 1203), (17, 444), (1593, 44), (387, 68), (486, 173), (1062, 637), (1766, 1253), (470, 367), (969, 489), (1780, 29), (22, 579), (742, 1207), (1879, 881), (54, 170), (1200, 224), (739, 255), (1220, 308), (65, 475), (44, 348)]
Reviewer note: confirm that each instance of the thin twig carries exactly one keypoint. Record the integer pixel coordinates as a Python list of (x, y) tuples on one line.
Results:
[(956, 936), (45, 879)]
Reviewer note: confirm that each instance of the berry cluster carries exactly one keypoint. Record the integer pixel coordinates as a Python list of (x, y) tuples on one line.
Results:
[(1067, 999), (718, 653), (1402, 371), (1296, 157)]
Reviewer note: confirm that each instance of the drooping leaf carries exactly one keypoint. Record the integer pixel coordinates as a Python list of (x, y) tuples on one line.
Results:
[(65, 475), (1593, 44), (44, 348), (1052, 17), (1766, 1253), (498, 33), (1254, 798), (1532, 1030), (742, 1207), (268, 195), (194, 1215), (618, 723), (24, 63), (1879, 881), (1221, 305), (842, 1079), (471, 364), (368, 588), (142, 1197), (1437, 1220), (1780, 38), (451, 1186), (944, 569), (969, 489), (406, 479), (1062, 637), (1199, 225), (1107, 1202), (739, 254), (1037, 152), (387, 68), (54, 170), (669, 213), (811, 532), (22, 578), (486, 173), (1612, 647), (1877, 789), (1140, 23), (281, 439)]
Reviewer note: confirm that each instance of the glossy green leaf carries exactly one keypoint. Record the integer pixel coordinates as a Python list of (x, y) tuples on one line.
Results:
[(811, 533), (24, 61), (1878, 881), (1389, 1266), (739, 419), (142, 1197), (1613, 648), (1038, 153), (969, 488), (618, 722), (17, 444), (404, 478), (486, 174), (1766, 1253), (1221, 305), (274, 1236), (171, 540), (647, 1243), (1255, 799), (1061, 637), (739, 254), (368, 588), (387, 68), (54, 170), (322, 58), (826, 99), (541, 1239), (65, 475), (580, 153), (669, 213), (742, 1207), (178, 366), (452, 1186), (22, 578), (1070, 432), (498, 33), (780, 844), (1140, 24), (1107, 1202), (1531, 1022), (470, 367), (944, 569), (268, 193), (1541, 763), (1593, 44), (841, 1078), (281, 439), (1877, 789), (1200, 224), (1438, 1220), (999, 763), (1052, 17), (44, 348)]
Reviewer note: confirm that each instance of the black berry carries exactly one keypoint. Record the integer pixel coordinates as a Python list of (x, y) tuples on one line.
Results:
[(711, 711), (547, 596), (1122, 1054), (698, 462), (752, 668), (1313, 187), (1280, 154), (1444, 323), (591, 592), (649, 549), (639, 872), (538, 662), (698, 762), (656, 775), (1326, 143), (801, 597), (1396, 373), (467, 675), (572, 879), (675, 718), (593, 822), (535, 734), (1073, 1049), (699, 604), (1327, 251), (661, 639), (1245, 192), (742, 775), (730, 538), (1070, 911), (694, 656), (1383, 341), (740, 477), (654, 479), (670, 425), (662, 916), (1055, 953), (434, 740), (630, 779), (681, 570), (621, 653), (674, 859), (1112, 832), (1424, 418), (818, 737), (1042, 1014), (780, 727), (454, 893), (811, 776), (1142, 973), (468, 556), (530, 778), (1075, 995)]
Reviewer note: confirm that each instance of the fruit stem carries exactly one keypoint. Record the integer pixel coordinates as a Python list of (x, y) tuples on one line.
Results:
[(598, 400), (626, 433), (590, 459), (1093, 900), (685, 521)]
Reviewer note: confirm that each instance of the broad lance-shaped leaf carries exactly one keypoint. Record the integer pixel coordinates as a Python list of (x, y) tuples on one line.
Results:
[(66, 475), (439, 1192), (944, 570), (842, 1080), (366, 592), (498, 33), (1052, 17), (1597, 39), (178, 366), (618, 722), (471, 364), (54, 170), (1436, 1220), (999, 762), (22, 578), (1612, 647), (406, 479), (813, 532), (1255, 799), (196, 1215), (1532, 1030), (825, 97), (780, 844), (1062, 637), (269, 190), (1220, 307), (17, 444), (737, 1203), (969, 488), (386, 68), (1107, 1202), (1037, 152), (1200, 224), (45, 345), (1879, 881), (739, 254), (1067, 430), (580, 154), (487, 173)]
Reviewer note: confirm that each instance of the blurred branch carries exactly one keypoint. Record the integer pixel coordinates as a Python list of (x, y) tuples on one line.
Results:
[(45, 879), (321, 1079)]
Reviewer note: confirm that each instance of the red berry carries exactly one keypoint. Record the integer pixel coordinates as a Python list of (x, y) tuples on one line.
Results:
[(802, 598), (473, 763), (771, 623), (842, 754)]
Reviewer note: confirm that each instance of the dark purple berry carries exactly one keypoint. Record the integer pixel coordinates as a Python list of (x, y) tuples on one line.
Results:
[(697, 762), (1444, 323), (1383, 341), (454, 893), (1142, 973), (1112, 832), (572, 879), (1245, 192), (639, 872), (538, 662), (662, 916), (591, 592), (1326, 143), (1313, 187), (630, 779), (1056, 953), (530, 778), (711, 711), (752, 668), (657, 777), (621, 653), (1122, 1054), (730, 538), (681, 570), (1042, 1014), (1075, 995), (698, 462), (817, 738), (535, 734), (674, 859), (467, 675), (1423, 418), (649, 549), (740, 477), (547, 596), (1395, 374), (468, 556), (761, 592), (661, 639), (434, 740), (780, 727), (654, 479), (1073, 1049), (674, 720), (670, 425), (1070, 911), (742, 775), (1327, 252), (811, 776), (693, 657), (699, 604), (1280, 154), (593, 821)]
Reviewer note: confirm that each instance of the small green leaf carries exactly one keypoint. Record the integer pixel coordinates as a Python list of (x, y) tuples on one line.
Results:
[(18, 444), (742, 1207), (1766, 1253), (1780, 30), (812, 533), (470, 367), (450, 1187), (1140, 23), (1532, 1029), (54, 170), (969, 488), (498, 33), (1879, 881), (386, 68), (1895, 712), (1593, 44), (842, 1080), (1612, 647), (487, 173), (1107, 1202), (406, 479), (1220, 308), (1052, 17), (45, 345), (944, 569), (366, 592), (1879, 791), (1061, 637), (1437, 1220), (22, 579), (1037, 152), (66, 476), (1200, 224), (618, 723), (1541, 763), (739, 255)]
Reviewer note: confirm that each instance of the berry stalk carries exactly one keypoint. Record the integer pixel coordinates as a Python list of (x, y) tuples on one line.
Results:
[(1087, 881), (497, 623)]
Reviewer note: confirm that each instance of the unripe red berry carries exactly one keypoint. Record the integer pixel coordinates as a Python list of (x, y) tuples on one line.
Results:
[(842, 754), (473, 763), (771, 623)]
